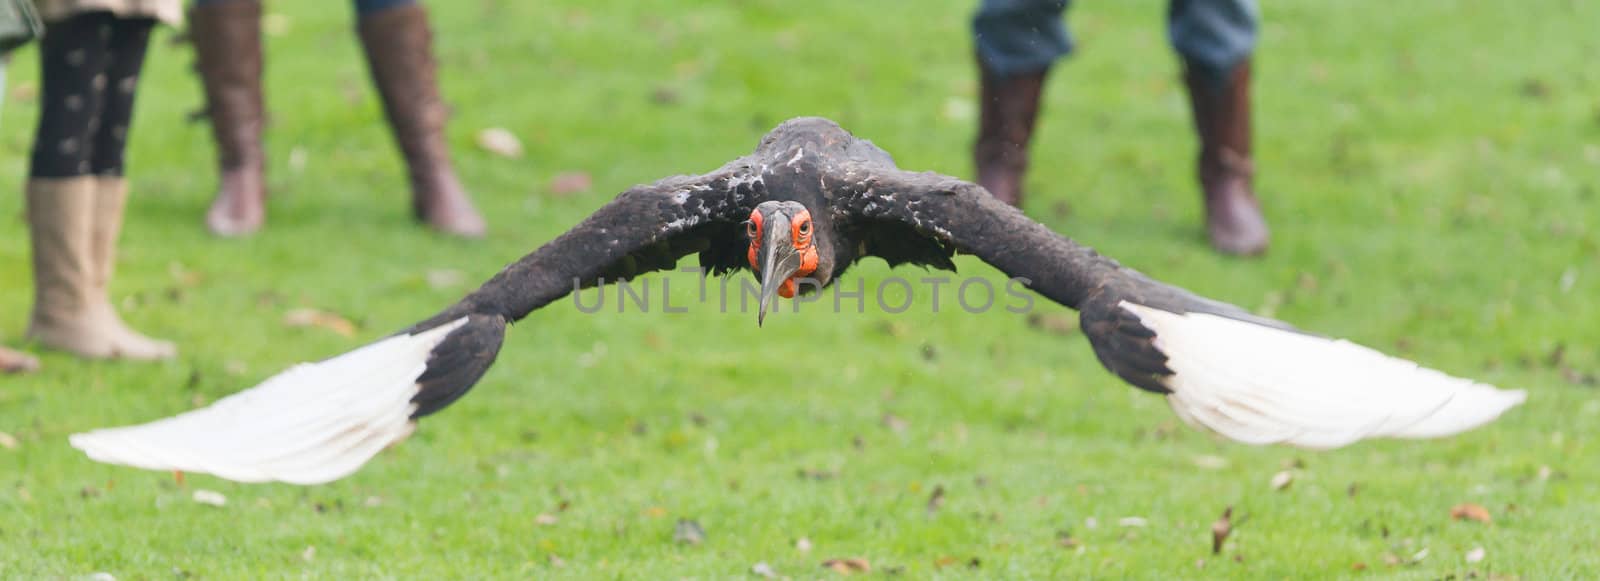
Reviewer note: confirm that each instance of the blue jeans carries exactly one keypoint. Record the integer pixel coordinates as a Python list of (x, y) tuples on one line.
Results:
[(362, 6), (1027, 36)]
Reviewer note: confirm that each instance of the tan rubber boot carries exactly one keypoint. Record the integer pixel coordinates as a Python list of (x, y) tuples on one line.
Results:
[(17, 362), (1222, 118), (71, 312), (399, 48), (1007, 111), (227, 46), (112, 198)]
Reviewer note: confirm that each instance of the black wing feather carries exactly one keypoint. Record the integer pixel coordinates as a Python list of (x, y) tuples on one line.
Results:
[(645, 229)]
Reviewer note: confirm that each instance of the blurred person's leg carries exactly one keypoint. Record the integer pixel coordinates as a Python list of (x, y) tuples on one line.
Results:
[(1216, 39), (85, 63), (399, 47), (227, 45), (129, 40), (1016, 42)]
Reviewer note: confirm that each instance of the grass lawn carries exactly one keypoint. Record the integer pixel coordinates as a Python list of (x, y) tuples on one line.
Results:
[(1431, 169)]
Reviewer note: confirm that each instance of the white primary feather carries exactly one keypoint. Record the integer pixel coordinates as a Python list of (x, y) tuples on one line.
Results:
[(1262, 385), (310, 424)]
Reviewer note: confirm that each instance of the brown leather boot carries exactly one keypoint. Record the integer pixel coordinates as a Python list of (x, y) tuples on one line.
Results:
[(1222, 118), (71, 310), (399, 48), (17, 362), (227, 43), (1008, 108)]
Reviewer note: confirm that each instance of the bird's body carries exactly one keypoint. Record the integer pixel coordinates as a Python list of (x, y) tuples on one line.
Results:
[(811, 201)]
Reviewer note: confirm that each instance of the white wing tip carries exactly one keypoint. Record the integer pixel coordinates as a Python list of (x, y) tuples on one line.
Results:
[(310, 424), (1262, 385)]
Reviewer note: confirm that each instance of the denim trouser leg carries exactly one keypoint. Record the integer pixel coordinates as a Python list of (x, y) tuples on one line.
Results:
[(362, 6), (1213, 36), (1025, 36), (1020, 36), (370, 6)]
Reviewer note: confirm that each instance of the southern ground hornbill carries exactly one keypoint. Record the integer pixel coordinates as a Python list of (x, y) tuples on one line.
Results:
[(811, 201)]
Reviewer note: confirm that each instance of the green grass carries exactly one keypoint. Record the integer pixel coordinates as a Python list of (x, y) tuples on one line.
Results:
[(1431, 170)]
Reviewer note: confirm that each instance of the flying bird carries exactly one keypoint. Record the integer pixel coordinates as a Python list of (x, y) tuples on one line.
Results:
[(809, 202)]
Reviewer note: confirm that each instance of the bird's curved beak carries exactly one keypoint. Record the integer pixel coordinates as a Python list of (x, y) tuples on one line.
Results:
[(778, 259)]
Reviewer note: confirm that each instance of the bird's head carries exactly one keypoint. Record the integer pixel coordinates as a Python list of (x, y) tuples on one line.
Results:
[(783, 249)]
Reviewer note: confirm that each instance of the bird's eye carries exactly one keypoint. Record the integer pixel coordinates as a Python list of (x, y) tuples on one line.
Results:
[(805, 227), (750, 229)]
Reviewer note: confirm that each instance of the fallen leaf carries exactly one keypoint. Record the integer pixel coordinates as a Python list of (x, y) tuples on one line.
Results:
[(1533, 88), (664, 95), (655, 512), (817, 474), (445, 278), (102, 576), (1470, 511), (936, 499), (570, 182), (306, 317), (1419, 556), (25, 92), (1282, 480), (210, 497), (1061, 209), (895, 423), (1054, 323), (1132, 521), (308, 554), (1221, 529), (372, 502), (501, 142), (8, 441), (1358, 566), (183, 277), (944, 561), (762, 569), (688, 532), (803, 545), (848, 566), (545, 519), (1066, 540), (556, 561), (1210, 462), (1476, 554)]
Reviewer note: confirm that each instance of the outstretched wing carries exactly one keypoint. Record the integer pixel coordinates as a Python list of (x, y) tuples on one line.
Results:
[(319, 422), (1249, 378)]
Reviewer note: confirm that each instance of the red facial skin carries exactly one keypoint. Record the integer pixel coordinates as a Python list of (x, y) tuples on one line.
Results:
[(803, 243)]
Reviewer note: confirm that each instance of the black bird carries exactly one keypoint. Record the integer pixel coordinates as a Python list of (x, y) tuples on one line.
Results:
[(808, 203)]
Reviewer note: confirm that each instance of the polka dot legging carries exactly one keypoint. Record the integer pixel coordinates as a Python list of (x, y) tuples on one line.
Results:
[(90, 64)]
